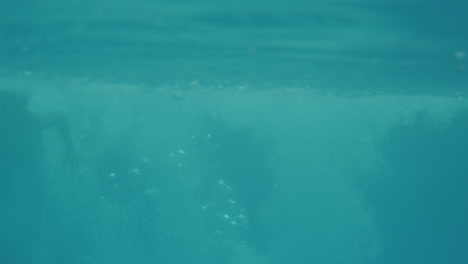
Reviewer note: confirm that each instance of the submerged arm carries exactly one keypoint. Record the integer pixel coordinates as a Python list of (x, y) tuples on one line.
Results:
[(60, 123)]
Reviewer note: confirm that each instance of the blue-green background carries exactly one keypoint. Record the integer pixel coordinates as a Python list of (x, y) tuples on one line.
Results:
[(234, 131)]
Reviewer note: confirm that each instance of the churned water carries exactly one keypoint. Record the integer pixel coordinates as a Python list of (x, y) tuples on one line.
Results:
[(234, 132)]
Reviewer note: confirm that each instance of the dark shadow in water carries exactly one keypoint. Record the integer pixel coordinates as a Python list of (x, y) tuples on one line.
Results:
[(21, 180), (420, 200)]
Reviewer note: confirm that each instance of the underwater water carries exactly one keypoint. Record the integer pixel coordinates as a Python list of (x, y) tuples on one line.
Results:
[(233, 132)]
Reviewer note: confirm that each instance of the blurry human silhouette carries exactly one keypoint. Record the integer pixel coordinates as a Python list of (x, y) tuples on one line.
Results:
[(240, 160), (22, 179)]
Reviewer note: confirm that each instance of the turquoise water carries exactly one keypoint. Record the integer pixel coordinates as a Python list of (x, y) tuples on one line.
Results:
[(233, 132)]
